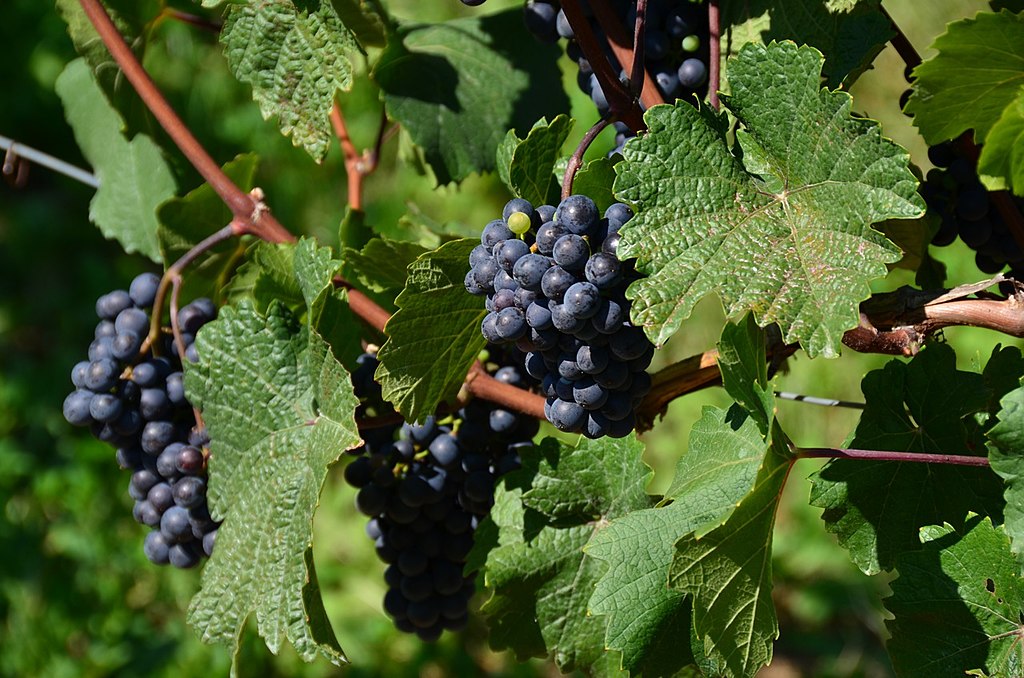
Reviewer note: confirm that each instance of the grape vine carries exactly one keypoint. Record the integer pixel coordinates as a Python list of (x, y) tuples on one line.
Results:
[(490, 395)]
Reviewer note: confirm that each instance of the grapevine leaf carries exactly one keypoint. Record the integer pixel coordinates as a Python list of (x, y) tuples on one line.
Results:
[(849, 32), (532, 160), (794, 245), (434, 337), (362, 19), (977, 73), (594, 180), (719, 469), (295, 56), (131, 18), (742, 360), (268, 463), (381, 266), (1003, 152), (1006, 454), (875, 508), (728, 571), (271, 270), (958, 605), (539, 575), (134, 178), (455, 87), (184, 222)]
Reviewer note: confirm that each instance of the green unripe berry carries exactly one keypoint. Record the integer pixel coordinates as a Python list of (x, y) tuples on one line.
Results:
[(691, 43), (518, 223)]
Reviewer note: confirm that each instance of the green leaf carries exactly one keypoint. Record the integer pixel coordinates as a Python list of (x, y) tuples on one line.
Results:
[(795, 244), (360, 17), (529, 174), (645, 617), (268, 463), (958, 605), (728, 571), (1003, 152), (540, 577), (1006, 454), (381, 266), (270, 269), (184, 222), (595, 180), (434, 337), (134, 178), (296, 56), (457, 86), (850, 33), (977, 73), (875, 508), (744, 366)]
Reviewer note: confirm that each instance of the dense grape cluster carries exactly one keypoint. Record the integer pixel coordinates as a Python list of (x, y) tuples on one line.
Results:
[(556, 289), (675, 46), (953, 191), (426, 490), (136, 402)]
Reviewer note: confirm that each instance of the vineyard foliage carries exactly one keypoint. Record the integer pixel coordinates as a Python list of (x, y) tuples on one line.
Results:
[(777, 195)]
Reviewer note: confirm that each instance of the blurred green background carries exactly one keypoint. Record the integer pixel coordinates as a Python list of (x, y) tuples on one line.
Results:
[(77, 597)]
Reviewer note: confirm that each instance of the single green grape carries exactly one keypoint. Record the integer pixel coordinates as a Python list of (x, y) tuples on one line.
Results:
[(518, 223), (691, 43)]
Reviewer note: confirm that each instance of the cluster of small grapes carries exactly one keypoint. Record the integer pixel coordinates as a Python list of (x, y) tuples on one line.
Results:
[(556, 289), (953, 191), (136, 402), (675, 46), (425, 491)]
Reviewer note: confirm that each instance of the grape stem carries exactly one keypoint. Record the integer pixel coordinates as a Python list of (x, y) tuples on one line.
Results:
[(359, 165), (623, 46), (250, 218), (576, 160), (889, 455), (619, 99), (637, 76), (714, 52), (202, 22)]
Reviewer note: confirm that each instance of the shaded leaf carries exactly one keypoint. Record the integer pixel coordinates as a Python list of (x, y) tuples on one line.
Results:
[(958, 605), (1006, 454), (531, 161), (1003, 152), (456, 87), (875, 508)]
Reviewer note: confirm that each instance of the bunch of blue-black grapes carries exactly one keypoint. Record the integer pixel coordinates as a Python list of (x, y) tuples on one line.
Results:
[(675, 46), (953, 191), (425, 488), (134, 400), (556, 289)]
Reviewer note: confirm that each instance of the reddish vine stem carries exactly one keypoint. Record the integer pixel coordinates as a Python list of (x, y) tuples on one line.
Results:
[(352, 159), (192, 19), (637, 77), (576, 160), (887, 455), (252, 220), (714, 52), (618, 98), (622, 44)]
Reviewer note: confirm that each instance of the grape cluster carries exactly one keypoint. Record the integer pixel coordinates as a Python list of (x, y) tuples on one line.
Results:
[(556, 289), (135, 401), (953, 191), (675, 46), (426, 490)]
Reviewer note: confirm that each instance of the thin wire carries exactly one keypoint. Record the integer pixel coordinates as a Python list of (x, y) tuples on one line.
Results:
[(812, 400), (48, 161)]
